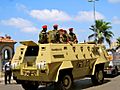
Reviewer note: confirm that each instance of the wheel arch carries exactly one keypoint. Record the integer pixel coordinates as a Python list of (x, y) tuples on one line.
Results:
[(98, 65), (66, 67)]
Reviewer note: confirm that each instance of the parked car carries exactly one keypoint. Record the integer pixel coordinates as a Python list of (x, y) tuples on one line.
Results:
[(113, 66)]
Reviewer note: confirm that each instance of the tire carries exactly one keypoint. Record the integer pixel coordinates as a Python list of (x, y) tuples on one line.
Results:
[(64, 83), (115, 72), (98, 77)]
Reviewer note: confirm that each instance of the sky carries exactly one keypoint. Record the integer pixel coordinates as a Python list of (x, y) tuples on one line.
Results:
[(23, 19)]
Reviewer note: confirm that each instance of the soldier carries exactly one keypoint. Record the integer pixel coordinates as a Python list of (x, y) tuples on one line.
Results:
[(55, 27), (72, 36), (61, 38), (54, 34), (65, 36), (8, 71), (43, 35)]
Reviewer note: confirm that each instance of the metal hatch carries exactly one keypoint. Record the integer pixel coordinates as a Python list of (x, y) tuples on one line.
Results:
[(28, 43)]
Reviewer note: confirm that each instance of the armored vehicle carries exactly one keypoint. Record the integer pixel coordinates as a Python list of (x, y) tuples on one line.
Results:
[(35, 64)]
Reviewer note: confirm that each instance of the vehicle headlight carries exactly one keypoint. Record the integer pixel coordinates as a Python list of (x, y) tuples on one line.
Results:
[(42, 65), (14, 65)]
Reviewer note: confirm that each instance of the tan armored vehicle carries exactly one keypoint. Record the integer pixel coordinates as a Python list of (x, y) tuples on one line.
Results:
[(35, 64)]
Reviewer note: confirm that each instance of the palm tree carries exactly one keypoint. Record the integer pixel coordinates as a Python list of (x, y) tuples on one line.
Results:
[(101, 31), (118, 43)]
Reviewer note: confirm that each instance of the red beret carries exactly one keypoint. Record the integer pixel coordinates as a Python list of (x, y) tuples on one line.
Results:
[(70, 29), (55, 25), (45, 26), (65, 31), (61, 30)]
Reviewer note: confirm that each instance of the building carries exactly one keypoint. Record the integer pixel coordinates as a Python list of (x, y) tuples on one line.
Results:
[(115, 52), (6, 50)]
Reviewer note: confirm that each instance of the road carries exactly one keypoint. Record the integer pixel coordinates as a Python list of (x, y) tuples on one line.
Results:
[(83, 84)]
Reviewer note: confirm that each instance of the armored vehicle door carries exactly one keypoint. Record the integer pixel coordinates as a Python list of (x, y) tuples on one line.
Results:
[(28, 43), (30, 54)]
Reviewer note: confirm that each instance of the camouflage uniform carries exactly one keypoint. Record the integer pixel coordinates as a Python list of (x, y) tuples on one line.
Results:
[(53, 36), (72, 36), (64, 37), (43, 37)]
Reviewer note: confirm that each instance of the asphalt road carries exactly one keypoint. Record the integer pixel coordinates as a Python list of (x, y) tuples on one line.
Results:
[(83, 84)]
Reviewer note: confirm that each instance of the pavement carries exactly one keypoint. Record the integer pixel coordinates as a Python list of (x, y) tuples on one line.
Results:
[(2, 80)]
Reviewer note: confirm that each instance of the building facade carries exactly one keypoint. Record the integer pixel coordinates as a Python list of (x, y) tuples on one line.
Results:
[(115, 52), (6, 50)]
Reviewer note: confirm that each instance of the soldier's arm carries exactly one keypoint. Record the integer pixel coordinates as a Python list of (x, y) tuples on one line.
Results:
[(75, 39), (40, 38)]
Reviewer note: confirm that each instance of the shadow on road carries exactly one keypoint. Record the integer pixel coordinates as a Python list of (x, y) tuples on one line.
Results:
[(111, 76), (78, 85)]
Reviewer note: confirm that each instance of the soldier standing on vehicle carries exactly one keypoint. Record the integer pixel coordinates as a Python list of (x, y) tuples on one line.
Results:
[(54, 34), (8, 72), (43, 35), (72, 36)]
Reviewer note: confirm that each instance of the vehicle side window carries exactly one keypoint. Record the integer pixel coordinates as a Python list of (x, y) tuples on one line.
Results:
[(32, 51)]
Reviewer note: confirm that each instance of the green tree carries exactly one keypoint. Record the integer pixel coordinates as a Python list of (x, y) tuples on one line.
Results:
[(101, 31), (118, 43)]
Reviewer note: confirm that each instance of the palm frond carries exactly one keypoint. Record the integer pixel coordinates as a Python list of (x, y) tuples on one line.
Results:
[(90, 36)]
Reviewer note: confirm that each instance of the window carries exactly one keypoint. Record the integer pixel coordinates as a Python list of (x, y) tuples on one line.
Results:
[(6, 54), (32, 51)]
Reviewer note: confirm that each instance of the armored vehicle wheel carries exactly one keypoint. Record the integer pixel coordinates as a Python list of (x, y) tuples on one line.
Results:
[(65, 82), (98, 77)]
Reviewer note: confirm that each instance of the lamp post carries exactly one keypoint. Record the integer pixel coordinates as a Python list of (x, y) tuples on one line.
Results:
[(94, 9)]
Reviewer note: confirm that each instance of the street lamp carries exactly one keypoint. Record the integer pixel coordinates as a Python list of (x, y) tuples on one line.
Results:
[(93, 8)]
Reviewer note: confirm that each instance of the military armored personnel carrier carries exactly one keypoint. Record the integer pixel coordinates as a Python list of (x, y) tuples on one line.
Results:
[(35, 64)]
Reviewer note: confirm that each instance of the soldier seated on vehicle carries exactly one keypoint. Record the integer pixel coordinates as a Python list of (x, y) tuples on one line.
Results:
[(63, 36), (61, 32), (66, 37), (43, 35), (72, 36), (53, 35)]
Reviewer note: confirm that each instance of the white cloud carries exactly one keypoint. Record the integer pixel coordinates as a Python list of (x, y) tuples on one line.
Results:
[(24, 25), (85, 16), (50, 15), (114, 1), (29, 29), (22, 7), (116, 20), (57, 15)]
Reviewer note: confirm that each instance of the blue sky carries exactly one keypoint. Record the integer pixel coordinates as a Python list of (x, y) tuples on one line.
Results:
[(22, 19)]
